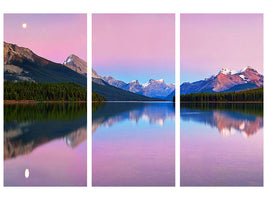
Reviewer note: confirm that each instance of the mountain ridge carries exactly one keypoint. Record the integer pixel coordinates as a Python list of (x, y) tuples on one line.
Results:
[(112, 93), (153, 88), (76, 64), (225, 80), (22, 64)]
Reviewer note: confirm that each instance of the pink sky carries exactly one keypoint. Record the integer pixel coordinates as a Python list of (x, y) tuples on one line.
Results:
[(52, 36), (212, 41), (134, 46)]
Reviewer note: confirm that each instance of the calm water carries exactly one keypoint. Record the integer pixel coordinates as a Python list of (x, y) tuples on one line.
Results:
[(133, 144), (45, 145), (221, 145)]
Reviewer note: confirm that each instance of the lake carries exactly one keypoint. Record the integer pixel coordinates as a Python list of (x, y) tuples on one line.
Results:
[(133, 144), (45, 144), (221, 144)]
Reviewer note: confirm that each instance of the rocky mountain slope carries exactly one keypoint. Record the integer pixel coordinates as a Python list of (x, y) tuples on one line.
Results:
[(76, 64), (225, 81), (21, 64), (112, 93), (170, 96), (153, 88)]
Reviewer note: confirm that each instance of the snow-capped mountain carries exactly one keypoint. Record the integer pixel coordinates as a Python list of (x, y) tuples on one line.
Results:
[(227, 71), (153, 88), (76, 64), (158, 88), (135, 87), (225, 81), (22, 64)]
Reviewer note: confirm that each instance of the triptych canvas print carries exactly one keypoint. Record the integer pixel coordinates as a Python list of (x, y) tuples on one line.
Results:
[(45, 100), (133, 142), (221, 94), (133, 98)]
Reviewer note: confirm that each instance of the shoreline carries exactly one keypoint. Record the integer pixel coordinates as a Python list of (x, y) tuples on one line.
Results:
[(221, 101), (132, 102), (34, 101)]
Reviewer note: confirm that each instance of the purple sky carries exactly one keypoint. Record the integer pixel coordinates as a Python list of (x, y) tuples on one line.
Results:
[(134, 46), (212, 41), (52, 36)]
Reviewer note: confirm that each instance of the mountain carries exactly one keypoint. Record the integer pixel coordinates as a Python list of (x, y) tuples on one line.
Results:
[(112, 81), (225, 81), (153, 88), (157, 88), (112, 93), (170, 96), (21, 64), (132, 91), (76, 64), (95, 75)]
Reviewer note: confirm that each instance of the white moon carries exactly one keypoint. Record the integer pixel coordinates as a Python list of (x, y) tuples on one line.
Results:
[(27, 173), (24, 25)]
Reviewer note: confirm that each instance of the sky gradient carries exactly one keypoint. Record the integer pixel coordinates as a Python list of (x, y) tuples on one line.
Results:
[(212, 41), (52, 36), (134, 46)]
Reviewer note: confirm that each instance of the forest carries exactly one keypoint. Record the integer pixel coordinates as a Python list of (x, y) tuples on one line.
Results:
[(247, 95), (97, 97), (64, 91)]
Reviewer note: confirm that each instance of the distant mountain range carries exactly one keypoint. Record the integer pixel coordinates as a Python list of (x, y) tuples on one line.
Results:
[(225, 81), (21, 64), (112, 93), (170, 96), (153, 89)]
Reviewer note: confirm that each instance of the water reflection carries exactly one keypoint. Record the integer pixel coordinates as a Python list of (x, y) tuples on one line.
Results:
[(207, 158), (109, 114), (227, 121), (133, 144), (33, 129)]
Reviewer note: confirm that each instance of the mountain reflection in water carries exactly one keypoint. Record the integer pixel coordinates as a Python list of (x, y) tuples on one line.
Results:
[(111, 113), (23, 133), (48, 141), (207, 158), (133, 144), (227, 121)]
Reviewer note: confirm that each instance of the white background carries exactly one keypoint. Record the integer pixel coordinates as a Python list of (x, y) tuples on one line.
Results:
[(124, 6)]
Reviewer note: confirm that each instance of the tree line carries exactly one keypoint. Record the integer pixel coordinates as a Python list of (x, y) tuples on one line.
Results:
[(64, 91), (247, 95), (97, 97)]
